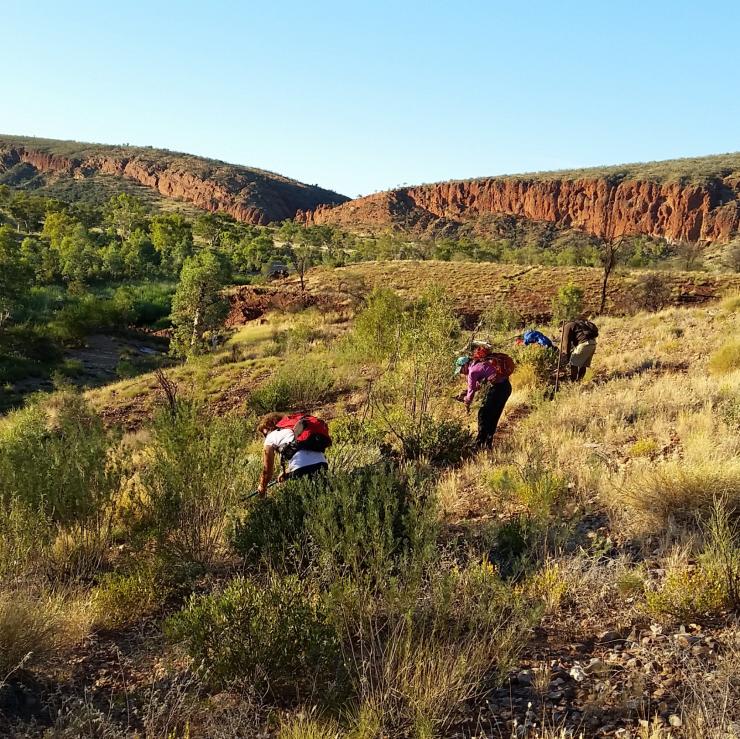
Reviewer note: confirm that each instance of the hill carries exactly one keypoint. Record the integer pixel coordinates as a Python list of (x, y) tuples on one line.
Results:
[(581, 576), (71, 170), (679, 200)]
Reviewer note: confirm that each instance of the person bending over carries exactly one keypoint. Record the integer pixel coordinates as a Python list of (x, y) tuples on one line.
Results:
[(298, 459), (484, 374), (579, 345)]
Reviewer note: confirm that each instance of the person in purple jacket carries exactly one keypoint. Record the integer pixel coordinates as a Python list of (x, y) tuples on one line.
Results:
[(483, 375)]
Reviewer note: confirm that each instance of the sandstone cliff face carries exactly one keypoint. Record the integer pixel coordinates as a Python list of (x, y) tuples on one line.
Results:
[(604, 208), (251, 196)]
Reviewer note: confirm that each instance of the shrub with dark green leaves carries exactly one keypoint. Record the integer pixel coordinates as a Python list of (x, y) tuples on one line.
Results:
[(368, 524), (121, 599), (442, 443), (275, 633)]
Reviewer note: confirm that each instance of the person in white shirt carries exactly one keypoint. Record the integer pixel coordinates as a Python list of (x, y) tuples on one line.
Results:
[(302, 463)]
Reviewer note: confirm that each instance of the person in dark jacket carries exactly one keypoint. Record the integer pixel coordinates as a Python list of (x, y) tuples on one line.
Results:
[(484, 375), (579, 345)]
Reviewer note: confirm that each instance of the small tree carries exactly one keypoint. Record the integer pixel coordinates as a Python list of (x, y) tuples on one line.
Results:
[(568, 303), (197, 306), (609, 256), (731, 258), (124, 214), (14, 276), (652, 292), (172, 237), (689, 253)]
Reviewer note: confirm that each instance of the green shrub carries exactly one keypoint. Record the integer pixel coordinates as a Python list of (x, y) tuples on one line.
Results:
[(86, 315), (195, 470), (58, 461), (442, 443), (726, 359), (568, 303), (367, 524), (274, 633), (687, 595), (376, 330), (123, 599), (297, 385), (543, 361), (501, 317)]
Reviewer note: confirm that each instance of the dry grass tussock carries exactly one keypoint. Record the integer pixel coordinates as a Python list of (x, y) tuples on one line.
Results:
[(35, 629)]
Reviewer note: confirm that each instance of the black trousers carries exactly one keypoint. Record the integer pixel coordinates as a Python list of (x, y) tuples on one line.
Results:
[(490, 412), (309, 471)]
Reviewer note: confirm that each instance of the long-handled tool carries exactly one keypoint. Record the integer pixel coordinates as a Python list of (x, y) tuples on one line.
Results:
[(560, 359), (257, 492)]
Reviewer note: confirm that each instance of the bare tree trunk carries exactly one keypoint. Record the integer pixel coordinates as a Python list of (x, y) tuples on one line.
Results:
[(607, 271), (197, 318)]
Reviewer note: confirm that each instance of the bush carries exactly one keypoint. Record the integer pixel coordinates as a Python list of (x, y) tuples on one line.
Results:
[(86, 315), (501, 318), (687, 595), (726, 359), (651, 292), (376, 331), (299, 385), (123, 599), (274, 633), (57, 462), (441, 443), (368, 524), (194, 471), (536, 362), (567, 304)]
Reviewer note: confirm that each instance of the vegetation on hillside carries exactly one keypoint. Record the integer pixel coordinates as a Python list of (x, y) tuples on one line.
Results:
[(410, 598), (685, 170)]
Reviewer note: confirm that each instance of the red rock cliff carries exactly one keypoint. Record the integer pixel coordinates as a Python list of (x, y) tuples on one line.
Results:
[(599, 206), (252, 196)]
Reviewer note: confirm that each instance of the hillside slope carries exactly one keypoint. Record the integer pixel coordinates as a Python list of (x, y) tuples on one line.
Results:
[(681, 200), (249, 195)]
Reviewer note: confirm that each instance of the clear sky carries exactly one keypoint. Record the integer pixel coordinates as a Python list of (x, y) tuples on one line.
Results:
[(364, 96)]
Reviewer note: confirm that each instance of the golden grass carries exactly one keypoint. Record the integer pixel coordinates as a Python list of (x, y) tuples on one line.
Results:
[(37, 628), (726, 358), (305, 726)]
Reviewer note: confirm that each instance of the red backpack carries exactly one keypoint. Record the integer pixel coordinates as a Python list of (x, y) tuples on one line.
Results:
[(309, 433), (503, 363)]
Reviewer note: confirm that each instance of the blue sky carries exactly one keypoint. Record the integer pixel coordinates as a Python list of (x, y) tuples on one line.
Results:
[(364, 96)]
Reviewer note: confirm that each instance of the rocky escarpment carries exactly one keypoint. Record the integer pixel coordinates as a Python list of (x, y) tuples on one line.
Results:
[(606, 207), (249, 195)]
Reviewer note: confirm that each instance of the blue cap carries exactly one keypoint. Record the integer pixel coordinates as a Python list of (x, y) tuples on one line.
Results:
[(460, 362)]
